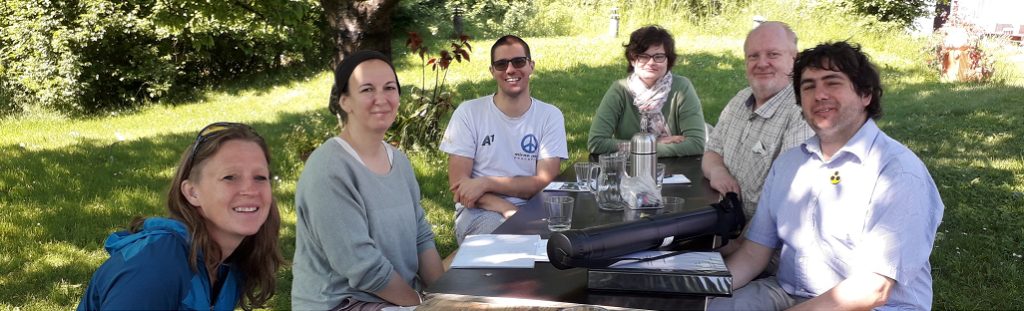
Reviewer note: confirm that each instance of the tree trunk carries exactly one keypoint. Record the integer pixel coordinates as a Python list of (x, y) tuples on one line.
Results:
[(359, 25), (940, 19)]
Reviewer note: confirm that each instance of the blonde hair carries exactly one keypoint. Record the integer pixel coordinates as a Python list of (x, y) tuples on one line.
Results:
[(257, 257)]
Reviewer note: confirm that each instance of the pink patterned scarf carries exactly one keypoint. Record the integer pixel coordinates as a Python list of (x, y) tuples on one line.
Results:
[(649, 101)]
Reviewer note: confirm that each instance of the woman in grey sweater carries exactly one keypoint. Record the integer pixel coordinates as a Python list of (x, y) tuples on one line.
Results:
[(362, 239)]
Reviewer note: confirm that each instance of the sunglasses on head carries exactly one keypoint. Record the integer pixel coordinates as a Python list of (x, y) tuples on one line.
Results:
[(502, 65), (210, 130)]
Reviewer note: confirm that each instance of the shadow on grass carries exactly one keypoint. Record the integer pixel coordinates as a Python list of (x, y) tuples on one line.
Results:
[(256, 83), (967, 134), (70, 199), (253, 83), (74, 197)]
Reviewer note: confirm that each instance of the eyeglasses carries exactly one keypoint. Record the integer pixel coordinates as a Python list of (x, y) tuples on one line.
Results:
[(210, 131), (658, 58), (502, 65)]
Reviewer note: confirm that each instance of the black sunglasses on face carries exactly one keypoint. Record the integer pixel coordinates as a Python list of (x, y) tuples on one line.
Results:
[(502, 65), (211, 130)]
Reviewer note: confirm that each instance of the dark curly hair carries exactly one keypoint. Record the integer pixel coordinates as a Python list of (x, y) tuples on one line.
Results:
[(846, 58), (646, 37)]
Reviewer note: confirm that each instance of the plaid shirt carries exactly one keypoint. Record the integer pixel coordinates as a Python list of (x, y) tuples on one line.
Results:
[(749, 140)]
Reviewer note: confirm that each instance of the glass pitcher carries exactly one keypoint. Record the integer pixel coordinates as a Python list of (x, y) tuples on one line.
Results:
[(604, 181)]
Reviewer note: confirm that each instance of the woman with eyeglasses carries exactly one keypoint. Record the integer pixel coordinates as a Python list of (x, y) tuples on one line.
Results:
[(362, 239), (651, 99), (218, 248)]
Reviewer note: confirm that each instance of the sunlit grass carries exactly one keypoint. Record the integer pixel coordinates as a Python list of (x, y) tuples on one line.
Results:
[(68, 183), (65, 184)]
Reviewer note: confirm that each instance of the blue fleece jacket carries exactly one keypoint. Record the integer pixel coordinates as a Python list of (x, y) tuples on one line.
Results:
[(149, 270)]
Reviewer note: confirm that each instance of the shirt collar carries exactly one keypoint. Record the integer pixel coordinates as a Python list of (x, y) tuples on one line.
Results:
[(858, 146), (784, 97)]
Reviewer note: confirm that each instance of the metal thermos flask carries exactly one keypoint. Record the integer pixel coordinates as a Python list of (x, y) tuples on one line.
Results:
[(643, 153)]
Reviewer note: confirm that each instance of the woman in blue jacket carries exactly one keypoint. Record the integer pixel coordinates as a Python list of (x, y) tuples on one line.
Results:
[(219, 243)]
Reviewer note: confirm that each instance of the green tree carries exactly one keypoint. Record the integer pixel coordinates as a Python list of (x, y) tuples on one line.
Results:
[(901, 12), (94, 55)]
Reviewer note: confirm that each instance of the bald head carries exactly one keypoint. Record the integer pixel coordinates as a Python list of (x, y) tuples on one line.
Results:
[(774, 29), (769, 52)]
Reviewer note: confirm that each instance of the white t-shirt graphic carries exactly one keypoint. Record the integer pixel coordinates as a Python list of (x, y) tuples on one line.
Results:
[(503, 146)]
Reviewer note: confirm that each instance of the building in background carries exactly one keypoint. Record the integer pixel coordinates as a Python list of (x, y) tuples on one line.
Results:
[(995, 17)]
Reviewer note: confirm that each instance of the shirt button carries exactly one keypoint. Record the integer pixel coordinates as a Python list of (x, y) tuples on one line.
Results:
[(801, 260), (815, 199)]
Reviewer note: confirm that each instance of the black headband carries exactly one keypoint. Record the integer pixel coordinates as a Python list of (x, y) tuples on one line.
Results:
[(344, 71)]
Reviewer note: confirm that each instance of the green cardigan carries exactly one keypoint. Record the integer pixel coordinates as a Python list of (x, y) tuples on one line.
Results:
[(617, 119)]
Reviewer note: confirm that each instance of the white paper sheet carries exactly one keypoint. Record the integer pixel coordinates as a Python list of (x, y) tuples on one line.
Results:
[(676, 179), (687, 261), (542, 251), (497, 251), (565, 186)]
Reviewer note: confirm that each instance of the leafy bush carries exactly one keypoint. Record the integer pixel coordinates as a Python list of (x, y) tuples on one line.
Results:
[(902, 12), (692, 10), (494, 18), (93, 55), (6, 96), (313, 130), (422, 127), (542, 18), (966, 40), (413, 14), (563, 17)]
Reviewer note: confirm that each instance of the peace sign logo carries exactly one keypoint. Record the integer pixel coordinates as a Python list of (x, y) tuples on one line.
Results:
[(529, 143)]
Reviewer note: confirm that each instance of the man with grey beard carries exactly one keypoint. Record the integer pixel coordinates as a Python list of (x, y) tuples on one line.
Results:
[(759, 123)]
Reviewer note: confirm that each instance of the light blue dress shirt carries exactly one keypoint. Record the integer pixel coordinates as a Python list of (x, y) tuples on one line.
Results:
[(881, 217)]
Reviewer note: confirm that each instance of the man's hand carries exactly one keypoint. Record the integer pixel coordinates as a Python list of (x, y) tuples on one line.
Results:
[(861, 291), (671, 139), (498, 204), (723, 182), (714, 169), (469, 190), (747, 262)]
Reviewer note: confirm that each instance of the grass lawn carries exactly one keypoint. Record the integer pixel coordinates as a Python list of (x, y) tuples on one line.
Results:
[(65, 184)]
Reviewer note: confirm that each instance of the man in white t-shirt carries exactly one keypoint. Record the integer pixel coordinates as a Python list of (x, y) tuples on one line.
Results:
[(502, 148)]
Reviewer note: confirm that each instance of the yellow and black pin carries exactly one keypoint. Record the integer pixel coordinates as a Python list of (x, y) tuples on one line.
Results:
[(835, 178)]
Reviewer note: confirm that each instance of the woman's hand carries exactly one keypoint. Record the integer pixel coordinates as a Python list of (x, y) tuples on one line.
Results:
[(671, 139)]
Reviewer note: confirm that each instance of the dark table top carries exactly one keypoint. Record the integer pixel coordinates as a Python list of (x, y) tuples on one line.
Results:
[(545, 282)]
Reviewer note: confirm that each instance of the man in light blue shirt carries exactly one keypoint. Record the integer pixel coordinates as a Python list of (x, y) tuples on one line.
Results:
[(853, 211)]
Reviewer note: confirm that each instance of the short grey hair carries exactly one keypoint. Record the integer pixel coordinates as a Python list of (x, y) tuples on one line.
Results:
[(789, 32)]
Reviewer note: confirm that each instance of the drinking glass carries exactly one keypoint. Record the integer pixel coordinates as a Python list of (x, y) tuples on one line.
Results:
[(660, 176), (604, 179), (624, 146), (559, 212), (672, 204), (583, 174)]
